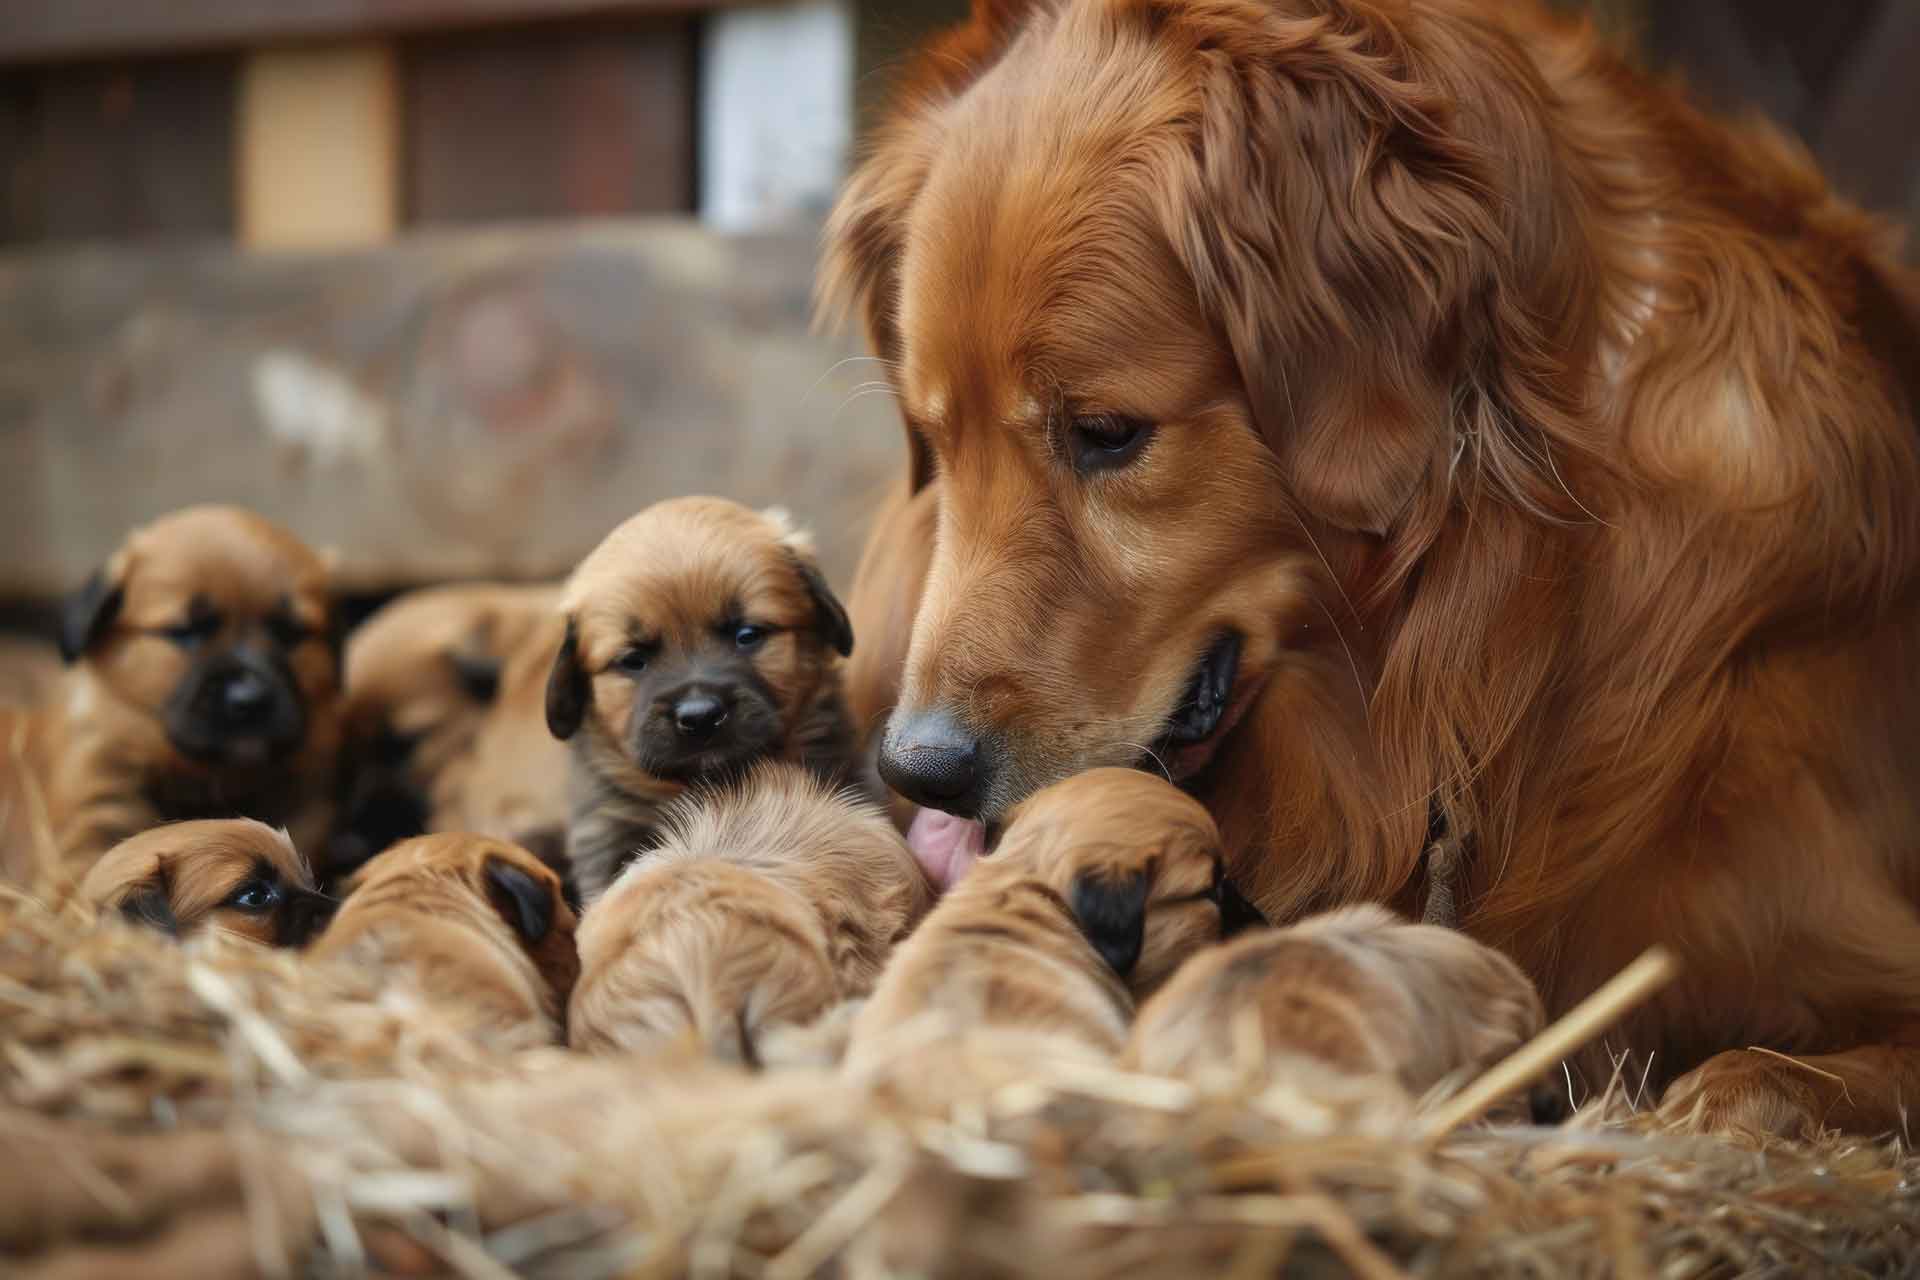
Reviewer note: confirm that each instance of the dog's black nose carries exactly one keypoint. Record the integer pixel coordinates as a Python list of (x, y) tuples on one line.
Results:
[(928, 758), (698, 715), (244, 699)]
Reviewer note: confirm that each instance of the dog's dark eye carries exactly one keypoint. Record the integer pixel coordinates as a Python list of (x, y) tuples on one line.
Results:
[(287, 631), (634, 660), (199, 627), (255, 896), (1103, 441), (749, 638)]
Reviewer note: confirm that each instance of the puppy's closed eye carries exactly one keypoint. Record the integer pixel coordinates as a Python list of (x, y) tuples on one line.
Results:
[(1237, 914), (1112, 916)]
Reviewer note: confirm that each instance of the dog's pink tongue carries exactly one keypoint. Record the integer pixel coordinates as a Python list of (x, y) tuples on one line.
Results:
[(946, 846)]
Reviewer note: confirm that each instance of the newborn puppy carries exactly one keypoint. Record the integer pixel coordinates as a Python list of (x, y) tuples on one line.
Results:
[(231, 875), (202, 682), (479, 924), (1101, 887), (766, 903), (700, 638), (422, 676), (1358, 990)]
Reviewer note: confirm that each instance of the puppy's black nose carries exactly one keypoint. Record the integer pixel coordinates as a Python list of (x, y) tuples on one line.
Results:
[(244, 699), (928, 758), (698, 715)]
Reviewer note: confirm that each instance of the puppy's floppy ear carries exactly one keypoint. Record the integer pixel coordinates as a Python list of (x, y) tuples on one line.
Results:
[(829, 615), (1112, 916), (147, 904), (87, 613), (523, 900), (568, 690)]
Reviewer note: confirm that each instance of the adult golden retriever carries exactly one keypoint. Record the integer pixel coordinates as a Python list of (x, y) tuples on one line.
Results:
[(1387, 411)]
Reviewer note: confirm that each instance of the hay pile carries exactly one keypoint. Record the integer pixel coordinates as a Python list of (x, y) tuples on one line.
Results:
[(213, 1109)]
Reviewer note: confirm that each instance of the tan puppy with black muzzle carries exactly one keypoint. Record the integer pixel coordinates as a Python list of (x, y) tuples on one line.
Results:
[(480, 925), (202, 682), (1101, 887), (1358, 990), (766, 904), (700, 639), (227, 875), (424, 674)]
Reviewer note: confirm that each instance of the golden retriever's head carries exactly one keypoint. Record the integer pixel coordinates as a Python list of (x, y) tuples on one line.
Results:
[(697, 636), (233, 875), (1175, 295), (213, 626), (1138, 863)]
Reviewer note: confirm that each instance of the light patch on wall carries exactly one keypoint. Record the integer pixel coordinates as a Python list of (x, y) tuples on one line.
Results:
[(307, 405)]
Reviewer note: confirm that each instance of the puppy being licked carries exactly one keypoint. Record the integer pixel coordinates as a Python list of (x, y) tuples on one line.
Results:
[(202, 682), (1101, 887), (480, 926), (423, 675), (700, 638), (765, 904), (1358, 990), (227, 875)]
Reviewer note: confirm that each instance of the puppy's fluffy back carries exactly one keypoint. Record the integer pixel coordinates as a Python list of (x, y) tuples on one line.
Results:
[(1357, 989), (765, 904), (832, 848)]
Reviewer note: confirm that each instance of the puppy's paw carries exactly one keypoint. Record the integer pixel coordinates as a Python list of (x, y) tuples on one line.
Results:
[(1745, 1094)]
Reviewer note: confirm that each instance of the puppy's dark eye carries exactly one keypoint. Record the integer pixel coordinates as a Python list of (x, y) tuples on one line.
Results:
[(748, 637), (286, 630), (187, 634), (1104, 441), (255, 896), (633, 661)]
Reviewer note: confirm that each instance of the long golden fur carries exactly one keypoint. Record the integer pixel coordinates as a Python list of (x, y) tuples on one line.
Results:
[(764, 905), (1103, 885), (1549, 446), (424, 677), (126, 740), (652, 615), (480, 925), (228, 875), (1356, 990)]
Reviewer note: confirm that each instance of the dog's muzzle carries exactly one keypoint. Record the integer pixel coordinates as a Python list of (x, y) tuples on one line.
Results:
[(236, 708)]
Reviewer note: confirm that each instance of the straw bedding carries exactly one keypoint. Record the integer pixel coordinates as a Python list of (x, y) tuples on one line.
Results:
[(214, 1109)]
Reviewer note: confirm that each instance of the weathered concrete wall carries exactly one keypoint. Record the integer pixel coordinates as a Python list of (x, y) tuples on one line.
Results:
[(483, 404)]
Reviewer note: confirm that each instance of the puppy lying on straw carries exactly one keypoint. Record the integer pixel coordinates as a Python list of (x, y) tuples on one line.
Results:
[(233, 875), (1356, 990), (1101, 887), (765, 905), (478, 923)]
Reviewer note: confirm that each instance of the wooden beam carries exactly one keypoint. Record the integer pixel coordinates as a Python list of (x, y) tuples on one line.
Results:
[(48, 30), (319, 141), (459, 404)]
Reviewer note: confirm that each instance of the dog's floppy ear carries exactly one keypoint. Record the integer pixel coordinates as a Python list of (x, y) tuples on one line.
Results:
[(87, 613), (524, 900), (147, 904), (1113, 917), (568, 689), (829, 615), (1237, 914)]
